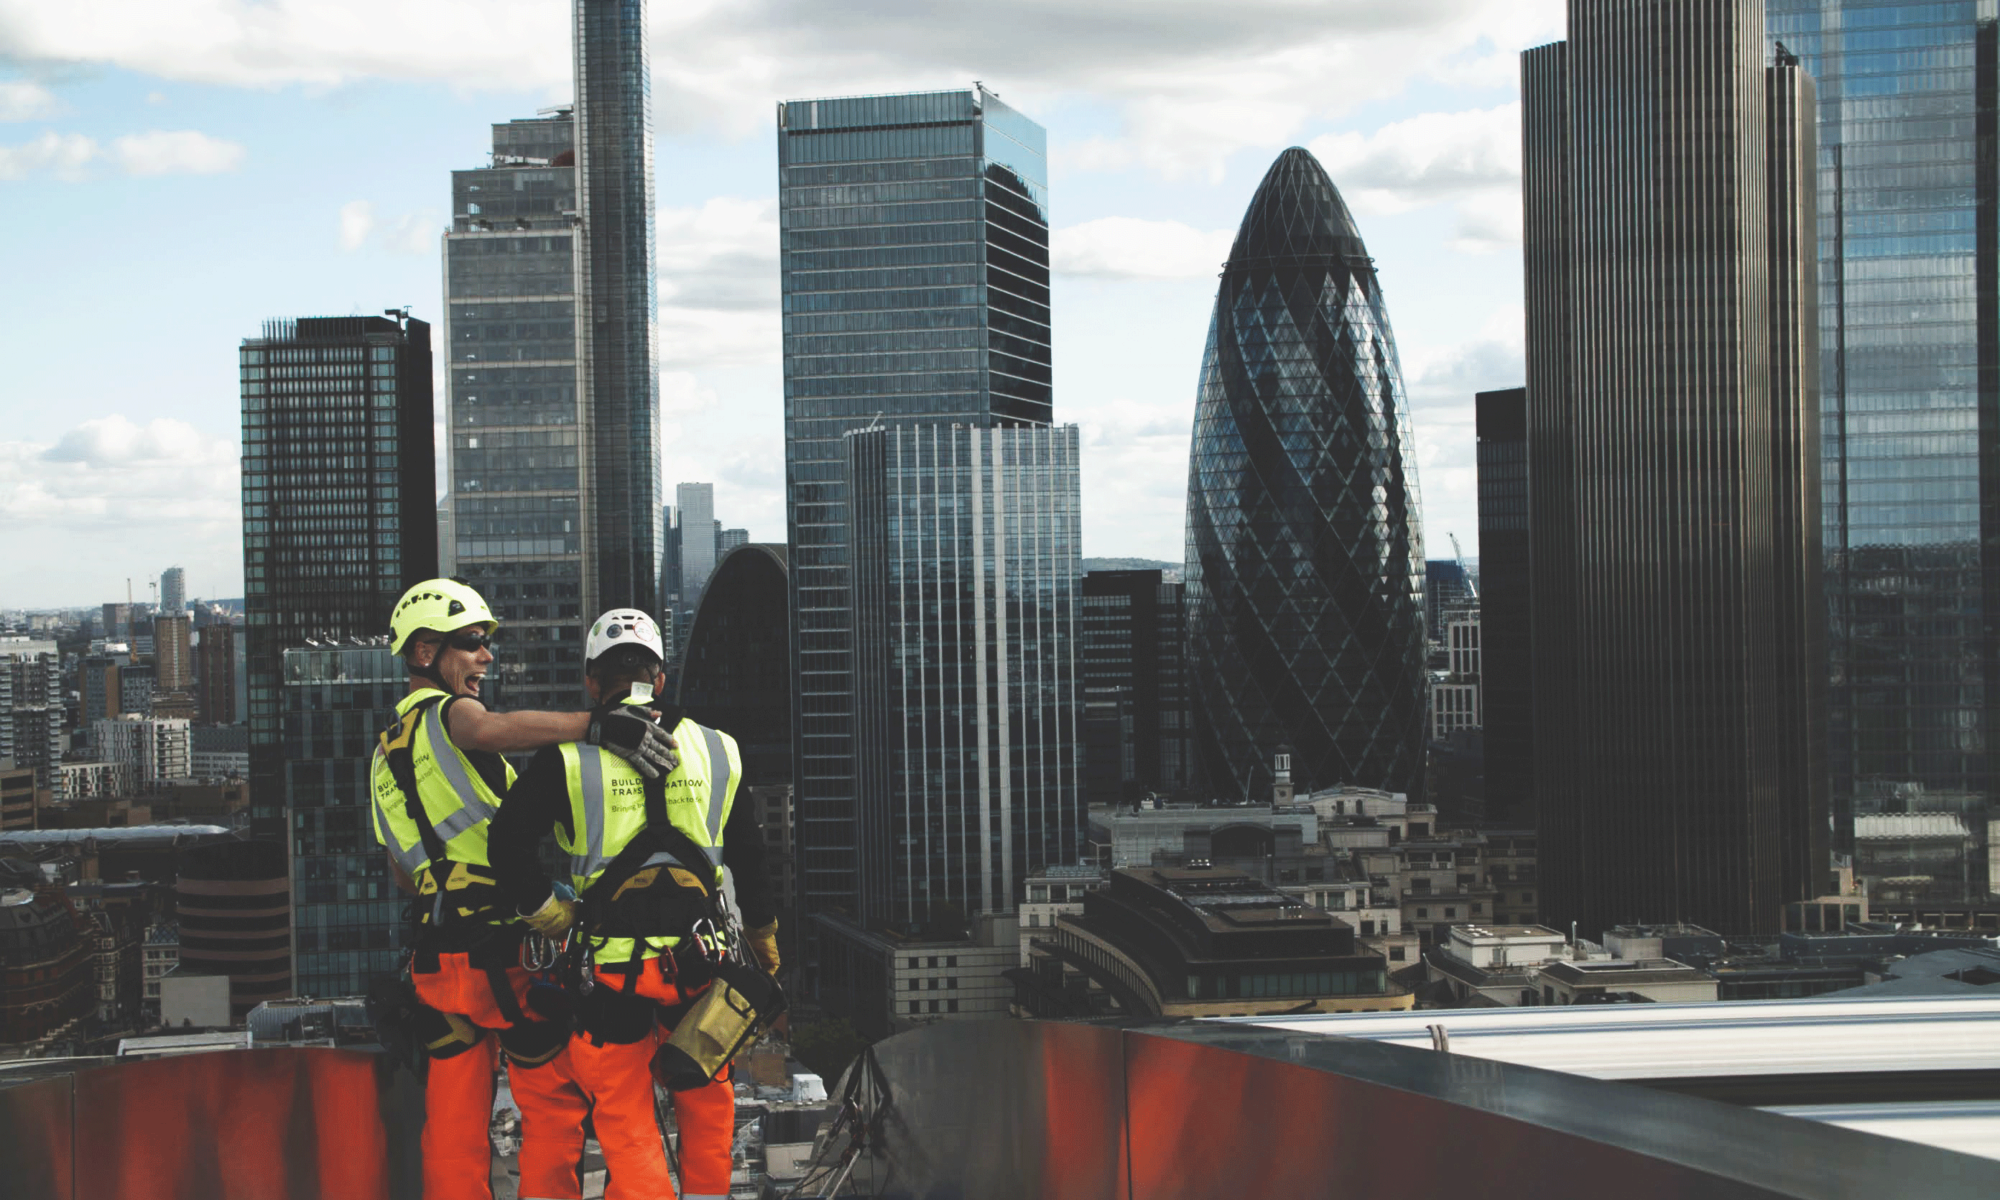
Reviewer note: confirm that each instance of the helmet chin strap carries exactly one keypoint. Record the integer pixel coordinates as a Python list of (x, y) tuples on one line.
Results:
[(431, 671)]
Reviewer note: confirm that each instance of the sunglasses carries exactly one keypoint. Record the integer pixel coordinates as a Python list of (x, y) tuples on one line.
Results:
[(470, 641)]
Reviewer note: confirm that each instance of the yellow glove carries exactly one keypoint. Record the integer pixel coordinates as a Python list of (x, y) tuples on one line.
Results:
[(555, 915), (764, 945)]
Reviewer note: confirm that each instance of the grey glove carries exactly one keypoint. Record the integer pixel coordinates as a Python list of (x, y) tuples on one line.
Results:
[(626, 732)]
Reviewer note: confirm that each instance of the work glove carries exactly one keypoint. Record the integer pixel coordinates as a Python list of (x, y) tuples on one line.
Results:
[(764, 945), (553, 917), (621, 729)]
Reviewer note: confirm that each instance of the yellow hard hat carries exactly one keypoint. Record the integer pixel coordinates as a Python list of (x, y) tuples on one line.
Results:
[(441, 605)]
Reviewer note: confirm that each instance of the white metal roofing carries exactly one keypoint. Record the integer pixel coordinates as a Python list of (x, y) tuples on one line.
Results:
[(1877, 827), (1666, 1041)]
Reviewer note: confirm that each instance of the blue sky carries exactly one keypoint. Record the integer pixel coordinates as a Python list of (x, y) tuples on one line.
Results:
[(173, 172)]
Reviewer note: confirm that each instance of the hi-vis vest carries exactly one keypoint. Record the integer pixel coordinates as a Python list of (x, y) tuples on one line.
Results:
[(455, 798), (607, 805)]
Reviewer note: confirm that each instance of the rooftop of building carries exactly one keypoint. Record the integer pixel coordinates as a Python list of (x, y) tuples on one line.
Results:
[(1901, 826), (1505, 933), (1620, 971), (1673, 929)]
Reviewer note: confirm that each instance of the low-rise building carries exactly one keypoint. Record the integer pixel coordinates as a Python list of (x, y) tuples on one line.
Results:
[(159, 956), (1057, 892), (1192, 941), (886, 985), (95, 779), (1658, 980)]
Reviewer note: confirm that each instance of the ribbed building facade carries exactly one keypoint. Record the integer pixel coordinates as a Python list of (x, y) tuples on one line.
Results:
[(1305, 563), (915, 272), (1671, 403), (968, 717)]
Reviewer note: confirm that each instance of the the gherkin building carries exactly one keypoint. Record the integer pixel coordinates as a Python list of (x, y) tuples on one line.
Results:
[(1305, 561)]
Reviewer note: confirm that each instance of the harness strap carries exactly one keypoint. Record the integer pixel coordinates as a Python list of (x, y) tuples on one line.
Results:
[(503, 996)]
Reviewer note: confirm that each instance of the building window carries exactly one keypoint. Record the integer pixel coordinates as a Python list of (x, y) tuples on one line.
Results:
[(951, 984), (1423, 914), (934, 1006), (916, 1006), (1449, 913), (951, 960), (933, 961), (1396, 954), (951, 1006)]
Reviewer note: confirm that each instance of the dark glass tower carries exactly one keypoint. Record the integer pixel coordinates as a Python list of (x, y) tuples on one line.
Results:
[(736, 675), (614, 166), (1909, 324), (1134, 665), (915, 273), (1672, 401), (553, 382), (339, 502), (1505, 626), (1305, 563), (335, 701)]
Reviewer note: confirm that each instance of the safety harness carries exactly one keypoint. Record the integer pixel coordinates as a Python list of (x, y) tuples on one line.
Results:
[(450, 928)]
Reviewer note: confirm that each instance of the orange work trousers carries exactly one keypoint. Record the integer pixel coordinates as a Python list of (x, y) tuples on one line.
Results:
[(458, 1096), (619, 1081)]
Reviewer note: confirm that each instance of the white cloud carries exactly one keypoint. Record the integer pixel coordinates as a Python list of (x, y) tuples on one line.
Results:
[(414, 233), (1441, 382), (24, 101), (1191, 81), (1131, 248), (718, 281), (177, 152), (357, 222), (68, 156), (1470, 159), (1135, 472), (63, 154), (140, 496)]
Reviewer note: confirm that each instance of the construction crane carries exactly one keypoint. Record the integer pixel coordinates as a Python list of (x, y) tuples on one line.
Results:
[(1471, 589)]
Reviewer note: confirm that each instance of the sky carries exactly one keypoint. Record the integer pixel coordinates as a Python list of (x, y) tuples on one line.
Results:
[(174, 172)]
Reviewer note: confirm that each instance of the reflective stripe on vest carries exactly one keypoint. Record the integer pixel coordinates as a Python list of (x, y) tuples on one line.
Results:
[(453, 795), (594, 840)]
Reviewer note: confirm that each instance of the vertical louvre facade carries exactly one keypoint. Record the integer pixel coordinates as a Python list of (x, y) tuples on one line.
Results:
[(1908, 223), (1669, 413), (338, 488), (1134, 665), (966, 574), (1305, 562), (1506, 693), (614, 162), (915, 278)]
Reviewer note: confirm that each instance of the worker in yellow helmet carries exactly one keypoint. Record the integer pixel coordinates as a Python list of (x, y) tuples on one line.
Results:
[(438, 778), (646, 858)]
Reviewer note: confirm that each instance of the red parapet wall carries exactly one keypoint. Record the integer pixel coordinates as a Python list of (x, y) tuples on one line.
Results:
[(281, 1124)]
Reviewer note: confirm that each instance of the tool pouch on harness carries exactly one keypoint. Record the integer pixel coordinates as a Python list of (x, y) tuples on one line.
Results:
[(736, 1007)]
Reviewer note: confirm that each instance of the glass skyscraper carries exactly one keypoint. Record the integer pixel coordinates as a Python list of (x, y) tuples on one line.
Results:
[(1305, 562), (915, 276), (1506, 627), (1910, 378), (967, 748), (335, 700), (338, 502), (552, 381)]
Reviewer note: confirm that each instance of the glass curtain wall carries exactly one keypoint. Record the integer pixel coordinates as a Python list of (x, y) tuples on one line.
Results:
[(915, 275), (1908, 343)]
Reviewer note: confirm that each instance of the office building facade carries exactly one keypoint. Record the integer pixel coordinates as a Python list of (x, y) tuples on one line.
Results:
[(915, 279), (1133, 670), (173, 591), (335, 701), (1305, 563), (553, 379), (1908, 322), (1506, 690), (215, 674), (965, 573), (1678, 761), (698, 542), (338, 495), (32, 720)]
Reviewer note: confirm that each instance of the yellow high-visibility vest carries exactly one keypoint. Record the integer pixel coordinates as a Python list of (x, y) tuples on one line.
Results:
[(607, 804), (454, 796)]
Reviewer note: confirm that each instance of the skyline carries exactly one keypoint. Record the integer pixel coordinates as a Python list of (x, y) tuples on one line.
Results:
[(1156, 144)]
